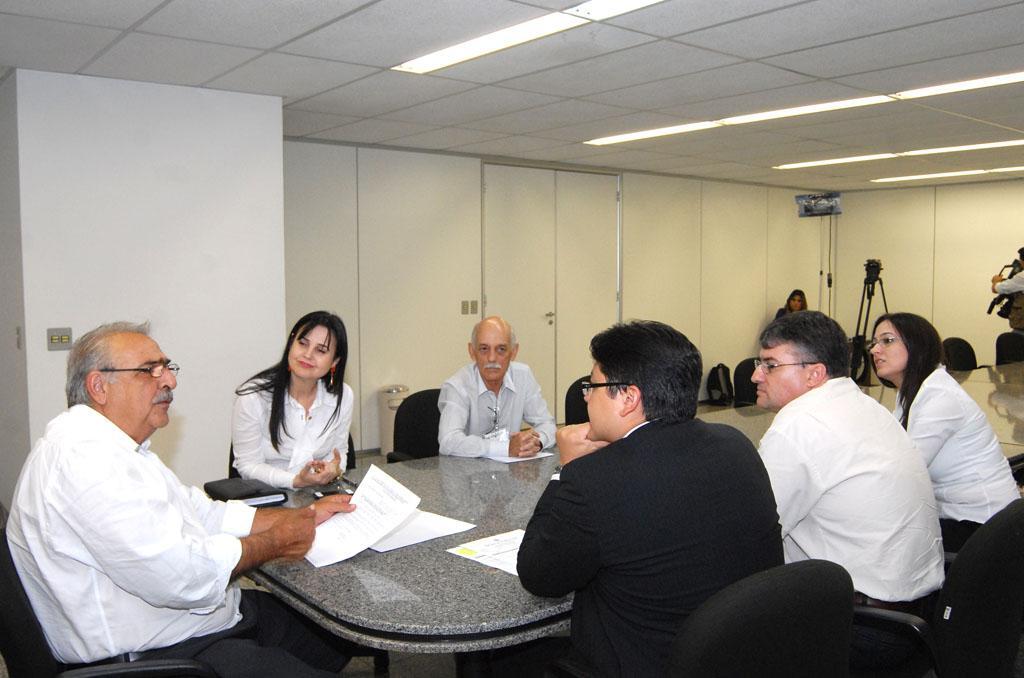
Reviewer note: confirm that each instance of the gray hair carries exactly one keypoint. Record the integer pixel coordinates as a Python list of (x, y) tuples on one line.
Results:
[(511, 332), (91, 352)]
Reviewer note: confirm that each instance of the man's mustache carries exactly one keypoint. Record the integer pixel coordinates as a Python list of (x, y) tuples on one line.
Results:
[(165, 396), (492, 366)]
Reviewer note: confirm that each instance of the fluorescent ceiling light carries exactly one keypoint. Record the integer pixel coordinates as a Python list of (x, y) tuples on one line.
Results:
[(939, 175), (649, 133), (805, 110), (1008, 169), (596, 10), (492, 42), (962, 86), (900, 154), (835, 161), (556, 22)]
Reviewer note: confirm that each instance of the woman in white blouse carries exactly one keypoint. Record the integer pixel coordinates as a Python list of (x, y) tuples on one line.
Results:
[(291, 421), (970, 476)]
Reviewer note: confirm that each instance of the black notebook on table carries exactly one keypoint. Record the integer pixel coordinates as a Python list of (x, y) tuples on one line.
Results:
[(252, 492)]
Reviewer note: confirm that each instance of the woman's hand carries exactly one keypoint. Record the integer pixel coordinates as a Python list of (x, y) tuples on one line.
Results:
[(319, 472)]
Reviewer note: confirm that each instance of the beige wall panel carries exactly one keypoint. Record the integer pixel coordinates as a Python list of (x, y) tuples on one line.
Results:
[(978, 229), (321, 245), (587, 268), (661, 251), (793, 253), (733, 247), (896, 227), (419, 256), (519, 264)]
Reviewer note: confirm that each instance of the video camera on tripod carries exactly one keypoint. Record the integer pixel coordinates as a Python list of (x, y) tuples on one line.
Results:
[(1006, 299)]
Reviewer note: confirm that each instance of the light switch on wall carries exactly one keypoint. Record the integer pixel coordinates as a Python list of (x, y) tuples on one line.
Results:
[(58, 339)]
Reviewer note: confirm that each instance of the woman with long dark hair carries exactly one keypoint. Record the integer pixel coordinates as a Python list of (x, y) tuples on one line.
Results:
[(970, 475), (796, 301), (291, 421)]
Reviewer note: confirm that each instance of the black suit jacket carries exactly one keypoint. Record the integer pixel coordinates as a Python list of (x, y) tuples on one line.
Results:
[(644, 530)]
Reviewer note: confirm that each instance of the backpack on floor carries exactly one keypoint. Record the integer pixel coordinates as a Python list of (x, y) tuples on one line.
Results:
[(719, 386)]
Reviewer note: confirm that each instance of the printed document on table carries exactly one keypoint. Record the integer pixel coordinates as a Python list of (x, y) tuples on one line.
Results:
[(512, 460), (500, 551), (382, 504), (420, 526)]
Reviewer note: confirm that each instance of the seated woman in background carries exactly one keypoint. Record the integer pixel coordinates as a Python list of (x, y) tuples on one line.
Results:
[(291, 419), (796, 302), (970, 476)]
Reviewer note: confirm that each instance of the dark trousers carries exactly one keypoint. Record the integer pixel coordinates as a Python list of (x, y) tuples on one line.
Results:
[(955, 533), (270, 640)]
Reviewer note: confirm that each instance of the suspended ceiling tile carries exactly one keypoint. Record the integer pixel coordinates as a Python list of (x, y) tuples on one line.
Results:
[(301, 123), (381, 93), (513, 145), (446, 137), (684, 16), (371, 131), (391, 32), (47, 45), (644, 63), (558, 114), (155, 58), (109, 13), (609, 126), (940, 71), (289, 76), (482, 102), (803, 94)]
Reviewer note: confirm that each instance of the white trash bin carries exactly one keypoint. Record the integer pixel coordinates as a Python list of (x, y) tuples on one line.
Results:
[(390, 398)]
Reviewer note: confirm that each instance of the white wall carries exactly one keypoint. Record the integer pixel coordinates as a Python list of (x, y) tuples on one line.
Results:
[(142, 201), (13, 365)]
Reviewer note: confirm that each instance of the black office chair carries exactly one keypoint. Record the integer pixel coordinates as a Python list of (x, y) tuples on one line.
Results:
[(975, 631), (416, 423), (959, 354), (350, 458), (792, 620), (27, 654), (1009, 348), (575, 405), (744, 390)]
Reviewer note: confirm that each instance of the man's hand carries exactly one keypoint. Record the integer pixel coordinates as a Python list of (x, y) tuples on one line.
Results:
[(331, 504), (526, 443), (319, 472), (574, 442), (277, 533)]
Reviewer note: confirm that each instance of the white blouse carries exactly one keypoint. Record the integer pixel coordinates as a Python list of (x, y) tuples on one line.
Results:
[(306, 440), (970, 475)]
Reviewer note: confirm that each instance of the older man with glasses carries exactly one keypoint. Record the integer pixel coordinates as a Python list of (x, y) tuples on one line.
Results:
[(121, 560), (850, 486), (484, 404)]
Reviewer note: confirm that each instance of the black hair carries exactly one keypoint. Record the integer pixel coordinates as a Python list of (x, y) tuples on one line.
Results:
[(924, 354), (659, 360), (276, 378), (815, 336), (803, 300)]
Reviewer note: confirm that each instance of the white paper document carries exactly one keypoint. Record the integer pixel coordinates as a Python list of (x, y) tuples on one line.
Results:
[(420, 526), (382, 504), (500, 551), (512, 460)]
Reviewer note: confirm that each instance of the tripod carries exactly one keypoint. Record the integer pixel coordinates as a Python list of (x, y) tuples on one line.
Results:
[(860, 361)]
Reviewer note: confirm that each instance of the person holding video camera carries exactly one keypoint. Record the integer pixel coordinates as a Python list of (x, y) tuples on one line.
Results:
[(1011, 292)]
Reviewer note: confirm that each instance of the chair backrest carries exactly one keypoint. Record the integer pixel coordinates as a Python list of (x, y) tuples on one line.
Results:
[(22, 642), (793, 620), (744, 390), (977, 622), (1009, 348), (575, 406), (959, 354), (416, 422)]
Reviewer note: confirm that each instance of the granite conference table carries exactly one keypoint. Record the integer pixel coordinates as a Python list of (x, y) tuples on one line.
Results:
[(421, 598)]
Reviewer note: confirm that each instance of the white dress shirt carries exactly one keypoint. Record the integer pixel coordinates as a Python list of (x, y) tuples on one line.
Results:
[(115, 553), (970, 475), (468, 412), (851, 488), (1011, 285), (308, 438)]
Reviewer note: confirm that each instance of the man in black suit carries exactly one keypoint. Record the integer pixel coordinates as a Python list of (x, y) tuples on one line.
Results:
[(653, 510)]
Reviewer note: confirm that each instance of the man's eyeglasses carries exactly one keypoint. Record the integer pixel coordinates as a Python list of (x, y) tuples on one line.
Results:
[(586, 386), (768, 368), (886, 341), (494, 411), (155, 371)]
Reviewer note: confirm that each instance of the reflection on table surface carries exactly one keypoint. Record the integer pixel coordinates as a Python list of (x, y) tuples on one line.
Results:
[(999, 391), (421, 598)]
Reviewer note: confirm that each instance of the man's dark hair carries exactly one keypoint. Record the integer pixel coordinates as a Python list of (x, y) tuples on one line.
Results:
[(657, 359), (816, 338)]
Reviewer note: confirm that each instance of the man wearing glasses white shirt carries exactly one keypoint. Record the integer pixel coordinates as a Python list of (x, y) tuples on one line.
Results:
[(850, 485), (484, 404)]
